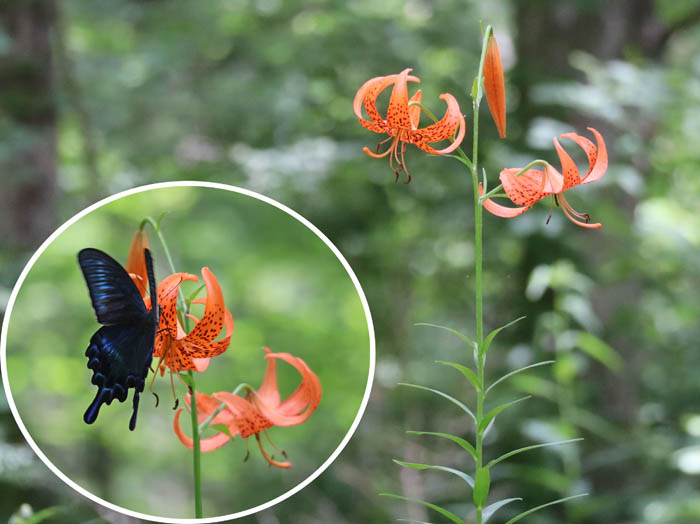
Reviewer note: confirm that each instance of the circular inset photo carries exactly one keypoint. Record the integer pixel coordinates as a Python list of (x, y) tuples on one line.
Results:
[(187, 350)]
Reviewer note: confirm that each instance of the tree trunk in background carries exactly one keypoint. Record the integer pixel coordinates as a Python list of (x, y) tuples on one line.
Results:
[(28, 123)]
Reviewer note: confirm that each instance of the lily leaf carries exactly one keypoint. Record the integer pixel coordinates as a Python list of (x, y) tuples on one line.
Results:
[(515, 372), (449, 330), (491, 415), (531, 511), (492, 335), (493, 508), (528, 448), (444, 395), (471, 376), (481, 486), (454, 518), (466, 478), (466, 445), (416, 521)]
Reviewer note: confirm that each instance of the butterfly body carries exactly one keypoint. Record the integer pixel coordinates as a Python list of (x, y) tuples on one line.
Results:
[(120, 352)]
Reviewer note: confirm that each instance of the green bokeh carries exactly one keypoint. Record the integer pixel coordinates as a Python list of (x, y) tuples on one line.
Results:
[(286, 290)]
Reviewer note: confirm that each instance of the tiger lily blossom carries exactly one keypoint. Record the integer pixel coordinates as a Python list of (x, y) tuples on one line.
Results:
[(533, 185), (258, 411), (179, 350), (403, 118)]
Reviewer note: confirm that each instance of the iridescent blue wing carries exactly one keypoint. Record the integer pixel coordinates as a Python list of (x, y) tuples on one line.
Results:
[(115, 297), (120, 352)]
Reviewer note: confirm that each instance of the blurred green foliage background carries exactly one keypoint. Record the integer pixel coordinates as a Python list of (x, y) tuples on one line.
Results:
[(101, 96)]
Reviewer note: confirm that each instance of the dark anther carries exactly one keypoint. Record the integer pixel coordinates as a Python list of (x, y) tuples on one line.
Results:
[(587, 217), (408, 181), (157, 398), (177, 403), (556, 200), (397, 176), (549, 218), (247, 455)]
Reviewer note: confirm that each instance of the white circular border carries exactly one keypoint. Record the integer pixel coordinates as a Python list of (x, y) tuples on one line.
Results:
[(234, 189)]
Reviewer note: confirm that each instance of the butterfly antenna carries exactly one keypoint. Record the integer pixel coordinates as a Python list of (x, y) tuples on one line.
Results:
[(151, 282)]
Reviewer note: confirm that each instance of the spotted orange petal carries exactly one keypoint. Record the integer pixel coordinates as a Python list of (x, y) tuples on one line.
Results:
[(568, 168), (452, 120), (397, 115), (167, 300), (368, 94), (499, 210), (597, 157), (526, 189)]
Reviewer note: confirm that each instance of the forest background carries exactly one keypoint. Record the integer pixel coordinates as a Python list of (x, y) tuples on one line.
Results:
[(99, 96)]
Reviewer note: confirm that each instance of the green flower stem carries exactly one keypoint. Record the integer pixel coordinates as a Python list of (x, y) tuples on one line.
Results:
[(184, 320), (478, 273), (196, 455)]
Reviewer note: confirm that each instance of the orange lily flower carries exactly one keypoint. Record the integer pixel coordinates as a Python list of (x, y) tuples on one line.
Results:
[(178, 350), (534, 185), (259, 410), (402, 120), (494, 85)]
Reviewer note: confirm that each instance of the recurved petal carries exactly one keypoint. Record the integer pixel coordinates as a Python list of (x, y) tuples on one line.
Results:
[(368, 94), (299, 405), (397, 115), (499, 210), (597, 157), (526, 189), (205, 444), (451, 122), (268, 391), (414, 110), (167, 300), (568, 168), (208, 328), (494, 85)]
